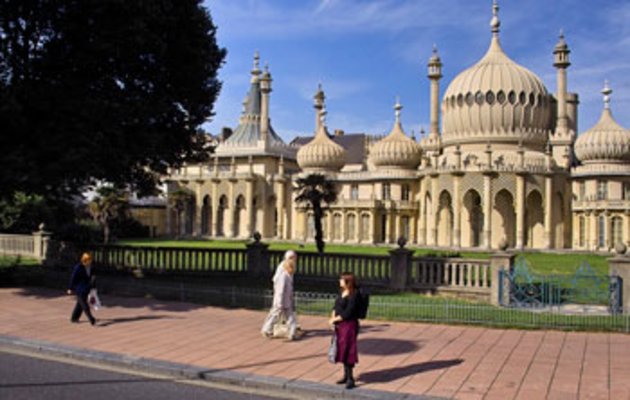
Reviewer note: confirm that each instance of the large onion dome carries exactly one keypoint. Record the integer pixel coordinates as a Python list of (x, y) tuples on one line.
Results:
[(321, 154), (396, 150), (607, 141), (497, 100)]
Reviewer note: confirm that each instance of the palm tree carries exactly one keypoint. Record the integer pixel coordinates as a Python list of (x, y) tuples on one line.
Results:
[(313, 190), (109, 204), (178, 200)]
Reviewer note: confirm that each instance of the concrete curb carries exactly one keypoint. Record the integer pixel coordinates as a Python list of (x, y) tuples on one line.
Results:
[(300, 388)]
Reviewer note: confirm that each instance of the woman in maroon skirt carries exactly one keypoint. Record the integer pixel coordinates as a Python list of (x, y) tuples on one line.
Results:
[(345, 321)]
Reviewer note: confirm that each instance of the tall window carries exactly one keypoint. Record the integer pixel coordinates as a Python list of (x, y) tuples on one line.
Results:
[(582, 231), (365, 227), (351, 235), (582, 188), (602, 190), (626, 191), (310, 229), (405, 231), (601, 232), (617, 230), (337, 227), (405, 192), (386, 191), (354, 192)]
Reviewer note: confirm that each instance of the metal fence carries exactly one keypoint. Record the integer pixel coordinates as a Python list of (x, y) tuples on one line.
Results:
[(392, 308)]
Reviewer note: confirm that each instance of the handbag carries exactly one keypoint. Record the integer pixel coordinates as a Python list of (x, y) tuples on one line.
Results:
[(281, 328), (332, 349), (93, 300)]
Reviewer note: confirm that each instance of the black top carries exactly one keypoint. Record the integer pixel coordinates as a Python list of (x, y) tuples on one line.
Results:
[(81, 282), (346, 307)]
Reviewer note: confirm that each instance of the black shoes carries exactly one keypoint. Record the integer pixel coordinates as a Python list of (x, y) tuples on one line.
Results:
[(348, 379)]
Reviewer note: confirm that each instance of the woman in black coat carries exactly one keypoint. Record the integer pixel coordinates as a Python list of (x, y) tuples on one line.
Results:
[(344, 319), (81, 282)]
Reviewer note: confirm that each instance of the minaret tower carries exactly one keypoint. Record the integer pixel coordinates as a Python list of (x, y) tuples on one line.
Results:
[(431, 144), (265, 89), (319, 106), (563, 137)]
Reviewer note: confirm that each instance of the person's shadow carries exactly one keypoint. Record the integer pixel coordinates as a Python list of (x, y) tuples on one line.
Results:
[(392, 374), (112, 321)]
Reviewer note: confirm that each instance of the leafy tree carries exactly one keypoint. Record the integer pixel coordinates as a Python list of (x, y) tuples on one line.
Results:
[(110, 204), (23, 213), (102, 90), (178, 200), (313, 190)]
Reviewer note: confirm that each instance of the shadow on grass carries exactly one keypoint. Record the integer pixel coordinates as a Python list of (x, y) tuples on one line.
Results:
[(392, 374)]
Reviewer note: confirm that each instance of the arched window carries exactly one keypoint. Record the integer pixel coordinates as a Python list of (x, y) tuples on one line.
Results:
[(365, 227), (617, 231), (351, 233), (337, 227), (601, 232)]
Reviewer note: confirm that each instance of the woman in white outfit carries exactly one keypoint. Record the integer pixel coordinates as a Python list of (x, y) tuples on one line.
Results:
[(282, 296)]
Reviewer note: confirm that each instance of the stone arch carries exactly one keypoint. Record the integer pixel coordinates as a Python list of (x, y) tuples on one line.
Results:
[(240, 216), (223, 206), (503, 219), (445, 219), (534, 221), (206, 216), (472, 220), (189, 215)]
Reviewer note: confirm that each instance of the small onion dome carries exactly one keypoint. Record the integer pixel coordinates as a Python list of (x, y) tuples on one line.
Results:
[(396, 151), (605, 142), (321, 154)]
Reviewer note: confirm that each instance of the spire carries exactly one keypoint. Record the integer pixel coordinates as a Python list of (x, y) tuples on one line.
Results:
[(495, 23), (606, 91), (435, 64), (397, 109), (256, 68)]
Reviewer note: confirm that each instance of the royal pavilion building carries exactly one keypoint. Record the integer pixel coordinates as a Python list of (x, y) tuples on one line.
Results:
[(504, 168)]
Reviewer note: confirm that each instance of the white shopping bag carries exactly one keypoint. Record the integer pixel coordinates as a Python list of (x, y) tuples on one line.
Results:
[(93, 300)]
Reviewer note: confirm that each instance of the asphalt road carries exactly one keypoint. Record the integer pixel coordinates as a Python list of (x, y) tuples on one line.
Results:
[(30, 378)]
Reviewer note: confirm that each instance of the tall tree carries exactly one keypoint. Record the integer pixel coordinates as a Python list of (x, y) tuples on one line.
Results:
[(316, 191), (109, 204), (102, 90)]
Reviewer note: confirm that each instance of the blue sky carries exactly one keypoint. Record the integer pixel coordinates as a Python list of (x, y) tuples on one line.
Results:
[(367, 52)]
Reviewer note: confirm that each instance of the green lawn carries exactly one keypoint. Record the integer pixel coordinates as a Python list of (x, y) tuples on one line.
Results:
[(542, 263), (12, 261)]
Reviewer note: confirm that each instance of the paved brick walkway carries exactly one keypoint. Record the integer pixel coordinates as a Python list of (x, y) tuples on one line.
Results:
[(446, 361)]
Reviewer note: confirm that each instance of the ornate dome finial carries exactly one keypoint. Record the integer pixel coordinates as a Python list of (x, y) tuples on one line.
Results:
[(495, 23), (606, 91), (397, 108)]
